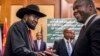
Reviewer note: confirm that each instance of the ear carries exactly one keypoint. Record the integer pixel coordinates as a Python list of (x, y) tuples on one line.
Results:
[(25, 17)]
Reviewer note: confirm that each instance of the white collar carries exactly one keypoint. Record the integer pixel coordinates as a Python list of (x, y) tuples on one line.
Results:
[(38, 40), (89, 19), (66, 40)]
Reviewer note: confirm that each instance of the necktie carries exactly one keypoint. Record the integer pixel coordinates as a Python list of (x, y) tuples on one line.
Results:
[(69, 48), (30, 36), (82, 29)]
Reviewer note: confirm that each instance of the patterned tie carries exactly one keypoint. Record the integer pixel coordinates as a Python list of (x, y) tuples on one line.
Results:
[(69, 48)]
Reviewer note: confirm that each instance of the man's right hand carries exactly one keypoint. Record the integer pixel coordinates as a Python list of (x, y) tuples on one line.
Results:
[(50, 52), (41, 54)]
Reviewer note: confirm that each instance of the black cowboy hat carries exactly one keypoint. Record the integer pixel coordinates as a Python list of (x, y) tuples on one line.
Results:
[(30, 9)]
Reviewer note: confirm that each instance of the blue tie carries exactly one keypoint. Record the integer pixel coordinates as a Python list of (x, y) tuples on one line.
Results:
[(69, 48)]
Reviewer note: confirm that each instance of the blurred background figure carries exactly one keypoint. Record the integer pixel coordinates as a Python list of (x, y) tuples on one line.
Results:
[(0, 53), (64, 46), (39, 44)]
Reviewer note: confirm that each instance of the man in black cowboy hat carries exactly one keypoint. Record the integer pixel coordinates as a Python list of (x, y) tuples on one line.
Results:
[(18, 38)]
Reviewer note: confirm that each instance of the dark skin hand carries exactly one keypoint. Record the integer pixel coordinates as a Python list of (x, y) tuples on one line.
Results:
[(50, 52), (47, 52)]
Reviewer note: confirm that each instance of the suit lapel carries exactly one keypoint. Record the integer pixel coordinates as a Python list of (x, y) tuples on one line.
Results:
[(90, 21), (73, 43), (26, 34), (36, 45), (81, 35), (64, 46)]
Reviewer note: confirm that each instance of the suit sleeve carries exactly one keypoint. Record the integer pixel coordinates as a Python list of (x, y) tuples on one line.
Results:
[(95, 39), (18, 44), (56, 47)]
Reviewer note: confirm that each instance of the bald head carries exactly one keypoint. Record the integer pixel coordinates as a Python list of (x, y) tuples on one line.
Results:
[(38, 35)]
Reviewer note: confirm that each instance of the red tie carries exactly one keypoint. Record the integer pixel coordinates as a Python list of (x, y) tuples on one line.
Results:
[(82, 29), (30, 35)]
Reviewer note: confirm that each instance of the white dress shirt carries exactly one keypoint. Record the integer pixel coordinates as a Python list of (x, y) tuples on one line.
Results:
[(39, 44)]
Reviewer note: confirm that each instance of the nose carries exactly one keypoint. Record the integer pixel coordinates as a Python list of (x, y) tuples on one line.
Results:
[(36, 20)]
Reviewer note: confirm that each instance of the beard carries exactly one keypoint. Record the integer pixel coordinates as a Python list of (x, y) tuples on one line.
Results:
[(84, 17), (31, 25)]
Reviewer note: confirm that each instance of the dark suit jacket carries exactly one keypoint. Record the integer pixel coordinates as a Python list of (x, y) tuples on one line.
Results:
[(88, 43), (60, 47), (18, 42), (42, 46)]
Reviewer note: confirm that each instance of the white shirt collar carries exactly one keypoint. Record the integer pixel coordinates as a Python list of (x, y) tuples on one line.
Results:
[(39, 40), (89, 19), (66, 40)]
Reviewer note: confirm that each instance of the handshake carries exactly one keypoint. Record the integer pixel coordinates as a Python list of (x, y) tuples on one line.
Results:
[(48, 52)]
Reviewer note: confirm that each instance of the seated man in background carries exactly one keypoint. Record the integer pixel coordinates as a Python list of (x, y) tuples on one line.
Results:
[(64, 46), (39, 44)]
